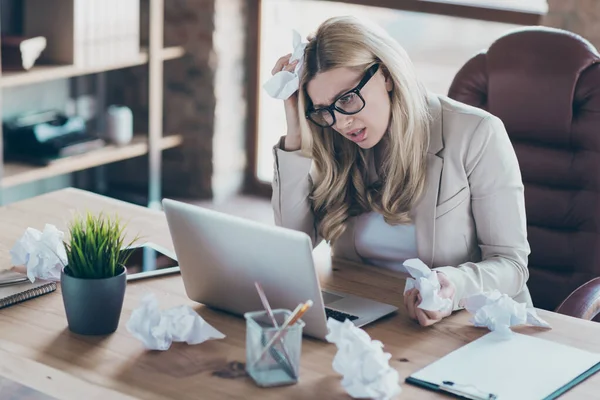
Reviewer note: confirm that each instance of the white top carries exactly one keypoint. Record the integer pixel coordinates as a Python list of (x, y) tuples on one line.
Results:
[(382, 244)]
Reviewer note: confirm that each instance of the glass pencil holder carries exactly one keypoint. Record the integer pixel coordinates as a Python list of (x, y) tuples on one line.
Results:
[(279, 364)]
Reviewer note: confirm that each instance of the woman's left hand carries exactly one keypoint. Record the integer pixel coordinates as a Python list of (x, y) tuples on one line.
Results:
[(412, 299)]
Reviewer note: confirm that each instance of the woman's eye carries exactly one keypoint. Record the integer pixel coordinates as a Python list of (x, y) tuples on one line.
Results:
[(347, 98)]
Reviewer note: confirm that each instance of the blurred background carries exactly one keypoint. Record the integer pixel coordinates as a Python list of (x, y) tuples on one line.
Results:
[(145, 99)]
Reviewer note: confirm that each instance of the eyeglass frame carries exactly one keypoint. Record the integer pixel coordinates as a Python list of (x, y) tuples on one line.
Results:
[(371, 71)]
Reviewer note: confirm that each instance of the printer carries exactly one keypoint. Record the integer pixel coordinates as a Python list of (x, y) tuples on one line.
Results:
[(42, 137)]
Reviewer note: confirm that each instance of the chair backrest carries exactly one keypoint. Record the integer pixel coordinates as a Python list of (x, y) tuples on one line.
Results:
[(544, 84)]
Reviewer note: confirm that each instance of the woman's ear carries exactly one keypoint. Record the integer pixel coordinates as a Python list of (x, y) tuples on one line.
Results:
[(389, 82)]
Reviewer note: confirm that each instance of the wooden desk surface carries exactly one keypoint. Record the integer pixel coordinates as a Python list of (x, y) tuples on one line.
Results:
[(38, 350)]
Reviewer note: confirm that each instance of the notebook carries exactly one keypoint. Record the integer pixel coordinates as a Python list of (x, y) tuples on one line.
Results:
[(522, 367), (12, 293)]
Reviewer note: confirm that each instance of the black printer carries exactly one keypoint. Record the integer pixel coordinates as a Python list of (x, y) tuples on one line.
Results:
[(43, 137)]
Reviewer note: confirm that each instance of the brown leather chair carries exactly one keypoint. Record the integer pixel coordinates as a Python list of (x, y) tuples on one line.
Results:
[(544, 84)]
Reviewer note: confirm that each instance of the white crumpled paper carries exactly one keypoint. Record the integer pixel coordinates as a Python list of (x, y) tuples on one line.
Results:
[(428, 285), (498, 312), (284, 83), (157, 329), (362, 362), (43, 253)]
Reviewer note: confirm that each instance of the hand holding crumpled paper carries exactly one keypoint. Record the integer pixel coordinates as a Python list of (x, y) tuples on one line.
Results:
[(43, 253), (499, 312), (362, 362), (157, 329), (426, 282), (284, 83)]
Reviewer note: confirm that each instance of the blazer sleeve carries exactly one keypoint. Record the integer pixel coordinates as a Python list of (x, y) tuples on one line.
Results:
[(291, 186), (498, 206)]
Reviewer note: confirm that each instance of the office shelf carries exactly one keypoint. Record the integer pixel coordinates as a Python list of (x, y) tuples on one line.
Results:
[(44, 73), (19, 173), (150, 144)]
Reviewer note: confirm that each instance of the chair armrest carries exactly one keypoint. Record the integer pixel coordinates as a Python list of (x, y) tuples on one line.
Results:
[(583, 302)]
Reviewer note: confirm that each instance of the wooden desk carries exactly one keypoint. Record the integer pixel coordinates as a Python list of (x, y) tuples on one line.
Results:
[(37, 349)]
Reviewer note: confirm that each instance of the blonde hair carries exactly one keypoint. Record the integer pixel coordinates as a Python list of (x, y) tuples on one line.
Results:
[(340, 186)]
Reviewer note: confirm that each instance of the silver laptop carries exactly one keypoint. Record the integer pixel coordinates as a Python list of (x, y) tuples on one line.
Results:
[(221, 256)]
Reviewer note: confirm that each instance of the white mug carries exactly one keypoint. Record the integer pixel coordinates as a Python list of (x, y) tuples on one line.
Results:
[(119, 125)]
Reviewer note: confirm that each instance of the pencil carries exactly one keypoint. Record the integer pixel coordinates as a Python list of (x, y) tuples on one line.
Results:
[(286, 362), (292, 319)]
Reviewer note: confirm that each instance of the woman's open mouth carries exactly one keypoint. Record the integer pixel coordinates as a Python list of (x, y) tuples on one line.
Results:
[(357, 135)]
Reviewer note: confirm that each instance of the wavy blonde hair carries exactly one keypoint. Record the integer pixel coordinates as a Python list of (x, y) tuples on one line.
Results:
[(340, 185)]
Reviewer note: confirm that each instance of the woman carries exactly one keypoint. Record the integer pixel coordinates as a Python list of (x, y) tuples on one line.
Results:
[(394, 172)]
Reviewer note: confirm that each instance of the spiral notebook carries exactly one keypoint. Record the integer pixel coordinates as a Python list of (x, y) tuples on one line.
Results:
[(15, 289)]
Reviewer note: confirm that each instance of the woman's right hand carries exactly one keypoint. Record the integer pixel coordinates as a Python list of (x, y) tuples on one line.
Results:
[(292, 138)]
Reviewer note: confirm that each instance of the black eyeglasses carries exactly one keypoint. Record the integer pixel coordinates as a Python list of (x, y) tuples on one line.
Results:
[(348, 103)]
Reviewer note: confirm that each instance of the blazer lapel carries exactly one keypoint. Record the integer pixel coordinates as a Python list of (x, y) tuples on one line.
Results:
[(424, 213)]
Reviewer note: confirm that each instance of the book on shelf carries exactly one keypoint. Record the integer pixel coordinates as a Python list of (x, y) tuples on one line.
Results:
[(89, 33)]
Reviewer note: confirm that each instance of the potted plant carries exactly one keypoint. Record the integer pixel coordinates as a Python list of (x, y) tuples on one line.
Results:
[(93, 281)]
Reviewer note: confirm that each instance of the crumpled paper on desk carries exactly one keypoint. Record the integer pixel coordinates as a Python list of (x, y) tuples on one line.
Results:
[(43, 253), (362, 362), (428, 285), (284, 83), (498, 312), (157, 329)]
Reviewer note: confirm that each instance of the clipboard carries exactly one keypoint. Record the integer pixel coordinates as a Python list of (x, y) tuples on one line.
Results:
[(497, 368)]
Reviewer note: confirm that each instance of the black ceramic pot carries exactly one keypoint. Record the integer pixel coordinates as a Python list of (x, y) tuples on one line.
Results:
[(93, 306)]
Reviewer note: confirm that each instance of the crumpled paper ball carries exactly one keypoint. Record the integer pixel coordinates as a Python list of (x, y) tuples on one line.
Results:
[(284, 83), (43, 253), (498, 312), (427, 283), (157, 329), (362, 362)]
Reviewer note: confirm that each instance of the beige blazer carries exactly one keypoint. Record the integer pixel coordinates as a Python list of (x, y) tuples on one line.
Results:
[(470, 221)]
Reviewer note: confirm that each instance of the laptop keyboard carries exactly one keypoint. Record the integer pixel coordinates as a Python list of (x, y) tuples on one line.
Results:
[(338, 315)]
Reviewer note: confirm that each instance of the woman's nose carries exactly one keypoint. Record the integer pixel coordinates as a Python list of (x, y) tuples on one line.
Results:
[(342, 122)]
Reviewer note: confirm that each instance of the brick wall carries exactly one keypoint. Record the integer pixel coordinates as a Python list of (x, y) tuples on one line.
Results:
[(190, 97), (578, 16), (204, 99)]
